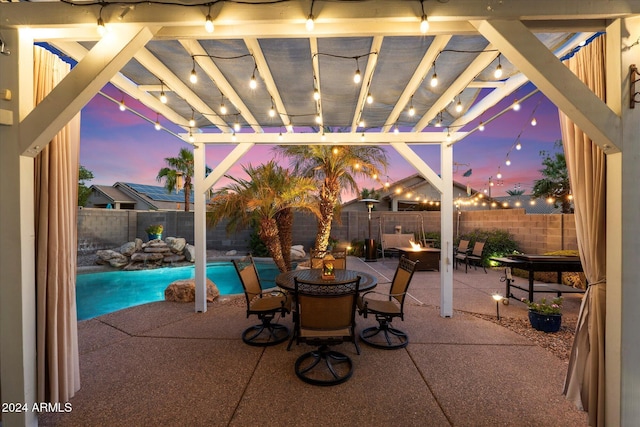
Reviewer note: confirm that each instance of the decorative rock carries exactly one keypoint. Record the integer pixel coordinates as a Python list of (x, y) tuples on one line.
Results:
[(128, 248), (190, 253), (231, 252), (176, 244), (146, 257), (157, 244), (185, 291), (138, 243), (115, 259), (160, 250), (173, 258)]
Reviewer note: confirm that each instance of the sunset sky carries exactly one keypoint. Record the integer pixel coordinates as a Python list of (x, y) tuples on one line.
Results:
[(119, 146)]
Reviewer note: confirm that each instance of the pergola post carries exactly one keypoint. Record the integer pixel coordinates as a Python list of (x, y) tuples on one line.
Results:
[(200, 226)]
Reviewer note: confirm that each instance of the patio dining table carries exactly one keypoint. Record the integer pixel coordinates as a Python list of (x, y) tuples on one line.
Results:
[(286, 280)]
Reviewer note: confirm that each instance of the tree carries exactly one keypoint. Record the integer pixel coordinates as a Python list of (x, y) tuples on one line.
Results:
[(370, 193), (269, 198), (515, 192), (555, 182), (334, 168), (84, 192), (179, 168)]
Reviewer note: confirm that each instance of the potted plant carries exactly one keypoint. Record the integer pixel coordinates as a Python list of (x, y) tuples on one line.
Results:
[(154, 231), (332, 243), (545, 316)]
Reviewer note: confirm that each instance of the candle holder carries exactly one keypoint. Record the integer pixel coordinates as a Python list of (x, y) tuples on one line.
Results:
[(328, 267)]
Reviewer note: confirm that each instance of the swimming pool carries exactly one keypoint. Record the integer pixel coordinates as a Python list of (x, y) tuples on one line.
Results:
[(102, 293)]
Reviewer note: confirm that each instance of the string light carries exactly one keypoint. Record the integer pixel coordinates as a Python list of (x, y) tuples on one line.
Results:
[(223, 107), (412, 110), (361, 123), (507, 161), (163, 96), (122, 105), (253, 82), (236, 125), (191, 137), (157, 124), (459, 105), (369, 98), (192, 120), (208, 23), (309, 24), (357, 77), (424, 23), (396, 130), (518, 146), (434, 77), (318, 118), (481, 127), (193, 77), (316, 94), (272, 110), (102, 30), (534, 122), (516, 105), (499, 175), (498, 72)]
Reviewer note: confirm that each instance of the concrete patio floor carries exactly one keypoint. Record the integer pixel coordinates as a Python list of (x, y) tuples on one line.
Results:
[(164, 364)]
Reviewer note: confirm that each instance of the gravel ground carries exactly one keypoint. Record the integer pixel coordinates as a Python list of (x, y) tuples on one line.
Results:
[(559, 343)]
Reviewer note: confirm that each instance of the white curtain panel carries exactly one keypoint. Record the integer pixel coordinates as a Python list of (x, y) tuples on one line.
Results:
[(56, 188), (586, 162)]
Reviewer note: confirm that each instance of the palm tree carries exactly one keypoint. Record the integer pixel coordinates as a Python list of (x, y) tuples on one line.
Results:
[(269, 197), (180, 167), (334, 168), (554, 183)]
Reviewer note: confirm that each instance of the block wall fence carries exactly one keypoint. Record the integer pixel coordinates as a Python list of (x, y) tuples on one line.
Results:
[(110, 228)]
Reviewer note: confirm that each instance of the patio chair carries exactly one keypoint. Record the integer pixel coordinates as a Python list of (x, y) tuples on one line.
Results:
[(461, 252), (325, 317), (475, 257), (384, 335), (265, 305), (317, 256)]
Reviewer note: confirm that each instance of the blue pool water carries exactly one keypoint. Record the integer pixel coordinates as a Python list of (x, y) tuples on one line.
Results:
[(102, 293)]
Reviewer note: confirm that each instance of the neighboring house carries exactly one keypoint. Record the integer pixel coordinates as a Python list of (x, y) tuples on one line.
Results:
[(127, 195), (414, 193)]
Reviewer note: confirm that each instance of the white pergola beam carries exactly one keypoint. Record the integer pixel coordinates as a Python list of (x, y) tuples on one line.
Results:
[(213, 72), (156, 67), (77, 51), (106, 58), (414, 160), (555, 80), (376, 45), (370, 138), (439, 43), (476, 67)]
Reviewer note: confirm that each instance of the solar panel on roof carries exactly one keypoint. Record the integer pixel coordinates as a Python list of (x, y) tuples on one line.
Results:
[(158, 193)]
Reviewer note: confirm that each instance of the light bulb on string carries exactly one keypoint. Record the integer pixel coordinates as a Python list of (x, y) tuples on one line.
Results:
[(396, 130), (499, 175), (424, 24), (459, 106), (507, 161), (498, 71), (223, 108), (163, 96), (193, 77), (208, 23), (191, 137), (310, 23), (122, 106), (412, 111), (102, 30), (516, 105), (361, 123), (157, 124), (318, 118), (357, 77), (253, 82), (534, 122), (236, 126), (289, 128), (316, 94), (434, 80), (481, 127), (518, 146), (272, 110), (192, 120), (369, 98)]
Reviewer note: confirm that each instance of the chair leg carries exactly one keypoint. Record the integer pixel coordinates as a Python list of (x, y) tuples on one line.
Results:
[(265, 334), (393, 338), (338, 367)]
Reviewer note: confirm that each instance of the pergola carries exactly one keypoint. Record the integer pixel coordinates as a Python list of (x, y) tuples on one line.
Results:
[(153, 48)]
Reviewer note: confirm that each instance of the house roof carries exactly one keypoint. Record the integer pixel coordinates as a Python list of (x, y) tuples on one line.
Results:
[(113, 194)]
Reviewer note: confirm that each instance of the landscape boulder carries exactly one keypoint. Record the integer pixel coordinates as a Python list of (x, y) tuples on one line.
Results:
[(185, 291), (190, 253), (128, 248), (176, 244), (114, 258)]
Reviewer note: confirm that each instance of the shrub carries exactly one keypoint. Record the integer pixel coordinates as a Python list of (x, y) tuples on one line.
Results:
[(257, 246), (498, 243), (357, 248)]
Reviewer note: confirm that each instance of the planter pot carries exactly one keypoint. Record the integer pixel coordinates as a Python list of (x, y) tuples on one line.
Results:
[(154, 236), (545, 322)]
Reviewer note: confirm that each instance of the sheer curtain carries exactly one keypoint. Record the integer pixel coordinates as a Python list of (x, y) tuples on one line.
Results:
[(584, 384), (56, 188)]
